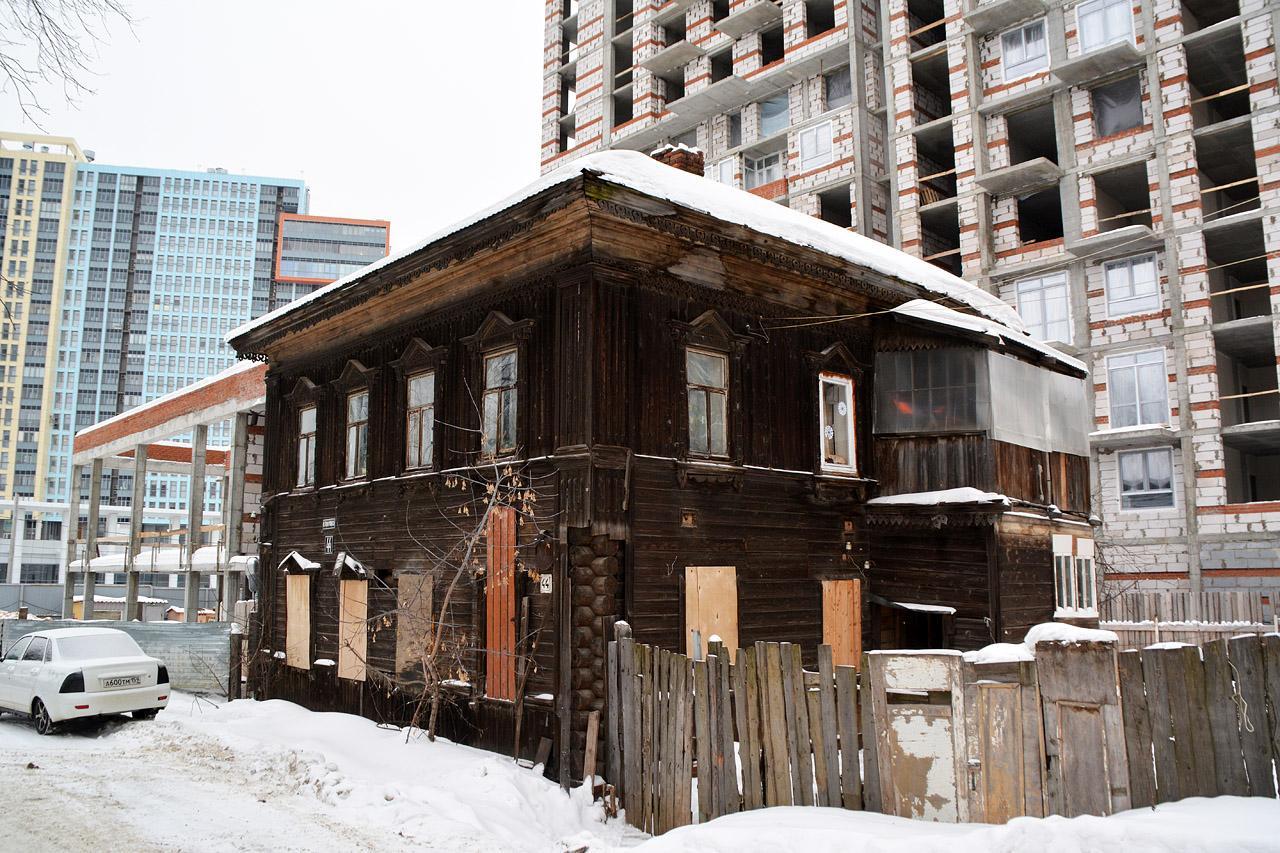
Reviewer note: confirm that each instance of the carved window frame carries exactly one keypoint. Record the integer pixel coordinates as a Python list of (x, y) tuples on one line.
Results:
[(355, 378), (305, 395), (838, 362), (420, 358), (497, 334), (709, 332)]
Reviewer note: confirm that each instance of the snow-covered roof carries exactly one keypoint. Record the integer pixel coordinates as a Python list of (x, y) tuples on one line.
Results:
[(941, 315), (962, 495), (643, 174)]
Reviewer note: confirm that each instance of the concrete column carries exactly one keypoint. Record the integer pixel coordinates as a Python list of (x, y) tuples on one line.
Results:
[(70, 535), (233, 507), (135, 530), (195, 519), (91, 536), (15, 541)]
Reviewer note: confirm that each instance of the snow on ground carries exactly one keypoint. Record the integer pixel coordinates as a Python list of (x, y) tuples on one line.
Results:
[(274, 776), (1236, 824), (271, 776)]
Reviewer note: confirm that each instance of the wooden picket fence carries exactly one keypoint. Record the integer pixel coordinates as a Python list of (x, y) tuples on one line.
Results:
[(1081, 730)]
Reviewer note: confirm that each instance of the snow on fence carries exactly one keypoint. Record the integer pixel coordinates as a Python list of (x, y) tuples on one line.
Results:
[(1143, 618), (1081, 729)]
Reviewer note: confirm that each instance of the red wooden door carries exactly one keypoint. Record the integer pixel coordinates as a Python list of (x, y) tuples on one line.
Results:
[(500, 605)]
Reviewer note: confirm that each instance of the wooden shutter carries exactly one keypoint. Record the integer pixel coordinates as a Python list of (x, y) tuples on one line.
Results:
[(711, 605), (297, 643), (500, 605), (353, 629), (842, 620)]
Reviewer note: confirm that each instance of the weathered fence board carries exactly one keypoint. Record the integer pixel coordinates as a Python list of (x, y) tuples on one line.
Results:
[(1245, 654), (1229, 775), (1080, 730), (1137, 731)]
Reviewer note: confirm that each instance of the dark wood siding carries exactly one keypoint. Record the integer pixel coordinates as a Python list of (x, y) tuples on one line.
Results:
[(1024, 553)]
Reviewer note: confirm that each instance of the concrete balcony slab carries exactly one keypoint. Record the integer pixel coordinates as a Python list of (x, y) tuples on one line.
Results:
[(992, 17), (750, 18), (1097, 63), (1037, 172)]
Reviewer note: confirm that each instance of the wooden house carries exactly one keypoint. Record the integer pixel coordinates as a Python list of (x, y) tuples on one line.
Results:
[(725, 417)]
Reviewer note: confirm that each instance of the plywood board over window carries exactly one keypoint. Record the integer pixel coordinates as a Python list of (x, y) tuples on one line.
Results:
[(414, 625), (353, 629), (297, 643), (500, 605), (842, 620), (711, 606)]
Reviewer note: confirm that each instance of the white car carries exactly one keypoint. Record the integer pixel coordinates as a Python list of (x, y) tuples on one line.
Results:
[(69, 673)]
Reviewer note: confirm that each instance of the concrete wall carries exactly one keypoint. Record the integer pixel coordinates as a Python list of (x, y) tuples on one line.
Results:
[(197, 655)]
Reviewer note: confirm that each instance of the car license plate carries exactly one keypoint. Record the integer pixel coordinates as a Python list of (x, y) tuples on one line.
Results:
[(122, 681)]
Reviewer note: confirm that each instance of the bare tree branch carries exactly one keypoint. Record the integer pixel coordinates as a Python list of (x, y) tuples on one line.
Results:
[(52, 42)]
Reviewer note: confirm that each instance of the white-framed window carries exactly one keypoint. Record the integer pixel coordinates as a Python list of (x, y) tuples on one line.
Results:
[(815, 146), (707, 386), (836, 419), (420, 420), (775, 115), (1138, 388), (723, 172), (1075, 584), (1044, 303), (1024, 50), (307, 447), (1104, 22), (1146, 479), (1132, 286), (762, 169), (498, 434), (357, 434)]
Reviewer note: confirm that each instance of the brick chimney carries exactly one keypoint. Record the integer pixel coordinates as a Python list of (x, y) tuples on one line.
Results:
[(681, 157)]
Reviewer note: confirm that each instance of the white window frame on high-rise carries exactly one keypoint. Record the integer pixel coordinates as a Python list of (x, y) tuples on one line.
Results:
[(1037, 291), (757, 171), (1145, 455), (723, 172), (1112, 18), (1132, 286), (1016, 45), (1133, 369), (815, 146)]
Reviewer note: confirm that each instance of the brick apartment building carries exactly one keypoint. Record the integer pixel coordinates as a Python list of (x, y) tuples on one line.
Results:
[(1110, 167)]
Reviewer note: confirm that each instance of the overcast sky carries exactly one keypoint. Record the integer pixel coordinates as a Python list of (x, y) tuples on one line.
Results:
[(416, 111)]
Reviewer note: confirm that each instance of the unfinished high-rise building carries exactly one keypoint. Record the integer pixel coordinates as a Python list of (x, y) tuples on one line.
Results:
[(1109, 167)]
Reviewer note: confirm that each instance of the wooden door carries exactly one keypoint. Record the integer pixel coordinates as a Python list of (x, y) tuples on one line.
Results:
[(711, 606), (842, 620), (353, 628), (1002, 724), (500, 605), (297, 626)]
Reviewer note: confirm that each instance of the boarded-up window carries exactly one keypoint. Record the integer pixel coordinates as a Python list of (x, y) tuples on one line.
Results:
[(711, 606), (842, 620), (500, 605), (297, 643), (353, 629), (414, 626)]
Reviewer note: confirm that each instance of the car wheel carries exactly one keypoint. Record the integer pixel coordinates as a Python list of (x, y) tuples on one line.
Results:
[(146, 714), (40, 714)]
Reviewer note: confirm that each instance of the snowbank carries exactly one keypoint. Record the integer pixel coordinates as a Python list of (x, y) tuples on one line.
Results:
[(1061, 632), (1239, 824), (446, 795), (1000, 653)]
